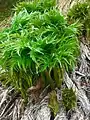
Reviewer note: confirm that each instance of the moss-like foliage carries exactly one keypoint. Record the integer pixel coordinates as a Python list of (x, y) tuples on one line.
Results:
[(35, 5), (39, 42), (69, 98), (53, 103), (81, 12)]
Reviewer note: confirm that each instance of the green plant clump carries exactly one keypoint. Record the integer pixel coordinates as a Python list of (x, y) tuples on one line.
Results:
[(37, 44), (69, 98), (36, 5), (81, 12)]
